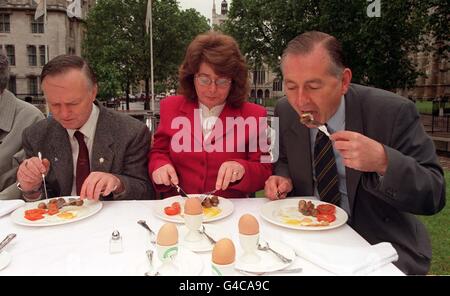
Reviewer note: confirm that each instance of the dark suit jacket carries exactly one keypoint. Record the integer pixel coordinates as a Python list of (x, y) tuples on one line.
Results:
[(380, 210), (120, 147), (197, 170)]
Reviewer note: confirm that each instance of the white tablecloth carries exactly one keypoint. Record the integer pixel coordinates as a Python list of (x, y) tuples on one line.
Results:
[(82, 248)]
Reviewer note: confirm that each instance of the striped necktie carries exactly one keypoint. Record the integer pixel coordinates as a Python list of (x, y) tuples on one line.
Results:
[(326, 171), (83, 167)]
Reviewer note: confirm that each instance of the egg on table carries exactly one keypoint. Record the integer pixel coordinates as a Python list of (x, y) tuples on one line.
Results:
[(224, 252), (193, 206), (248, 225), (167, 235)]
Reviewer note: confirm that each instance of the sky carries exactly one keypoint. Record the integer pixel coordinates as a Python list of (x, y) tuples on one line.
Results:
[(202, 6)]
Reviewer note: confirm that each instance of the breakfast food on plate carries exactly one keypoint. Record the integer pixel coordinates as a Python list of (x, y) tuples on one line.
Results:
[(224, 252), (307, 208), (173, 209), (306, 118), (192, 206), (324, 213), (53, 207), (209, 202), (167, 235), (248, 225)]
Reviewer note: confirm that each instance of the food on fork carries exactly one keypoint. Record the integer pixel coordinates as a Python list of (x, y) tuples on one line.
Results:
[(306, 118), (209, 202)]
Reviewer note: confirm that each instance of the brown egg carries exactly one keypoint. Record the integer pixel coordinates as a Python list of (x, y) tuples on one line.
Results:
[(167, 235), (248, 225), (193, 206), (224, 252)]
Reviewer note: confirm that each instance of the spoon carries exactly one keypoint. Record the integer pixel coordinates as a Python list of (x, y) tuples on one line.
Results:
[(152, 233), (211, 240), (265, 247)]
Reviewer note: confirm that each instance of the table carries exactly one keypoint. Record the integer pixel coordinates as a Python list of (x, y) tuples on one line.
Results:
[(82, 248)]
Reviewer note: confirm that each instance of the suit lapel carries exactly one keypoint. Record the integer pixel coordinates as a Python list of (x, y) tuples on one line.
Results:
[(227, 112), (353, 122), (60, 157), (102, 153), (187, 110)]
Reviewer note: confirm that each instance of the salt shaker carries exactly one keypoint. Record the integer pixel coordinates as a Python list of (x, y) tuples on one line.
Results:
[(115, 243)]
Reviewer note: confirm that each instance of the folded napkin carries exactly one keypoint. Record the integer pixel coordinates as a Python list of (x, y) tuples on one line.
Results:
[(7, 206), (345, 260)]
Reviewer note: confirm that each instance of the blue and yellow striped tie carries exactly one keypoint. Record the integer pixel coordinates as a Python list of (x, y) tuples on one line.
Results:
[(327, 179)]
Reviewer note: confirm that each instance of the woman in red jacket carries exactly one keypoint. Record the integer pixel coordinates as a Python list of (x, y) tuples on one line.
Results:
[(210, 137)]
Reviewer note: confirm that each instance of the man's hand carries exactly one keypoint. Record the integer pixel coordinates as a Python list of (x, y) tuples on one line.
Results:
[(229, 172), (165, 175), (277, 187), (30, 171), (100, 184), (360, 152)]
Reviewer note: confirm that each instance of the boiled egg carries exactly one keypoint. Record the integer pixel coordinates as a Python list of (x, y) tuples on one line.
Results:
[(248, 225), (193, 206), (224, 252), (167, 235)]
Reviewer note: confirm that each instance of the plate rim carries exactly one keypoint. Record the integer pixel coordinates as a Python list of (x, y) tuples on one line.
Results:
[(306, 228), (167, 218), (29, 205)]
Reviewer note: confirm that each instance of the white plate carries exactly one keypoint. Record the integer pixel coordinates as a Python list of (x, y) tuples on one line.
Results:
[(269, 262), (225, 205), (186, 263), (5, 258), (280, 211), (203, 245), (88, 209)]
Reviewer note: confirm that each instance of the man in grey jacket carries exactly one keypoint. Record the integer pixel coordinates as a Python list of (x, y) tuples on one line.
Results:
[(15, 116), (86, 149), (384, 165)]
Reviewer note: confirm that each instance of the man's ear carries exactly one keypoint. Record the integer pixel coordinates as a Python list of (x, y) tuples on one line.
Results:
[(94, 92), (346, 80)]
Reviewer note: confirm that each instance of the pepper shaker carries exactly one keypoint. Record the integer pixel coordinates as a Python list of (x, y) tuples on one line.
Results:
[(115, 243)]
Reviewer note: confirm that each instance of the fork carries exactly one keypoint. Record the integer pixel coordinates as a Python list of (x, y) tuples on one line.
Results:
[(266, 247), (208, 194)]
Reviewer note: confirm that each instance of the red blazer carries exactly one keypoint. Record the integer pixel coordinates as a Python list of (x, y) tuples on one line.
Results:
[(198, 167)]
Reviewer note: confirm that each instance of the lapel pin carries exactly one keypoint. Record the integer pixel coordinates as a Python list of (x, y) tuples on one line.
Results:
[(56, 158), (101, 160)]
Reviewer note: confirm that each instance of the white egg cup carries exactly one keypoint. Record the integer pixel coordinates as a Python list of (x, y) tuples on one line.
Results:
[(167, 255), (249, 244), (222, 270), (193, 224)]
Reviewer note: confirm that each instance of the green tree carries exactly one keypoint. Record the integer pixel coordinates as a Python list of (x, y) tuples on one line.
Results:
[(376, 48), (118, 46)]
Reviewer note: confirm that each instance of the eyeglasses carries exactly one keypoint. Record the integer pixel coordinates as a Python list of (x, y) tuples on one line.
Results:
[(220, 82)]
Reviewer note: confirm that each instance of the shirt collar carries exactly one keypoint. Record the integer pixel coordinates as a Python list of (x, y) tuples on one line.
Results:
[(214, 111), (337, 121), (88, 129)]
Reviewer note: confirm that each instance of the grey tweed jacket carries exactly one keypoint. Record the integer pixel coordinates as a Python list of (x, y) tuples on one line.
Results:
[(121, 145)]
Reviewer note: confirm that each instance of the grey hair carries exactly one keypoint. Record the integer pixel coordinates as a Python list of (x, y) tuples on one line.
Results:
[(305, 43), (4, 71)]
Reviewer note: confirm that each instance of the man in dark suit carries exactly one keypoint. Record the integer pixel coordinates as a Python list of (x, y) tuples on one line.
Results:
[(87, 150), (386, 165)]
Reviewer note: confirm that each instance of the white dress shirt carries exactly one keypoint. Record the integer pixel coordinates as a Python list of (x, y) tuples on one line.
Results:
[(208, 118)]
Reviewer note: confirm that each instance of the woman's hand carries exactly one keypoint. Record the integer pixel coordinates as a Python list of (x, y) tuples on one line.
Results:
[(165, 175), (229, 172)]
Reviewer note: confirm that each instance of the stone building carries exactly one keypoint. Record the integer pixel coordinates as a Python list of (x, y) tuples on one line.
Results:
[(265, 84), (30, 43)]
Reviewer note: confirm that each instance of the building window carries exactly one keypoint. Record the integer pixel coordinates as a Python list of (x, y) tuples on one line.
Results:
[(11, 53), (4, 23), (12, 85), (259, 76), (42, 54), (32, 58), (37, 26), (277, 85), (32, 85)]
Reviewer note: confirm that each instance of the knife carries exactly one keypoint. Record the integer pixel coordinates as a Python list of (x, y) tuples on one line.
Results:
[(180, 191), (43, 177)]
